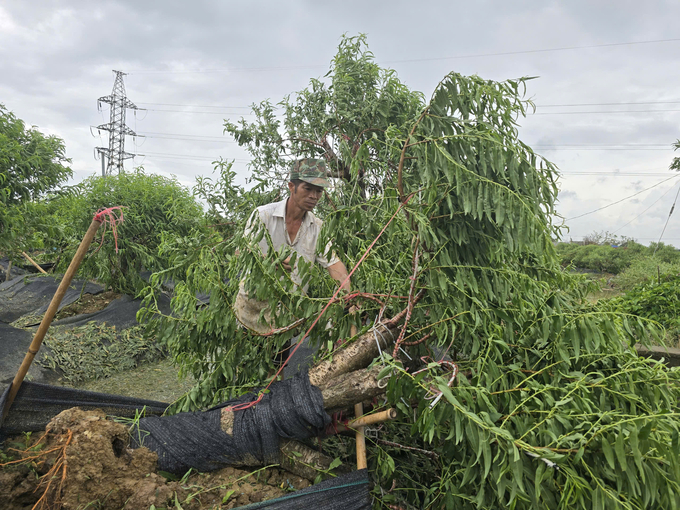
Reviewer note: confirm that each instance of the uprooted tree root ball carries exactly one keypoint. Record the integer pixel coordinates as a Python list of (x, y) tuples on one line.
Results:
[(84, 459)]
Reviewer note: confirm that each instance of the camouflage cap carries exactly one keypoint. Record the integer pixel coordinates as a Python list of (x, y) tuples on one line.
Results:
[(312, 171)]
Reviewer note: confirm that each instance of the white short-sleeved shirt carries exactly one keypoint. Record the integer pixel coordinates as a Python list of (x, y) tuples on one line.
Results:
[(273, 216)]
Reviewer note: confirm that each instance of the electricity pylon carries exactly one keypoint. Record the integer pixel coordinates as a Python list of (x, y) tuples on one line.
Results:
[(116, 127)]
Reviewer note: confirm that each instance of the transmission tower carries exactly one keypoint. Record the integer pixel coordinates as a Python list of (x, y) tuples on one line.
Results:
[(116, 127)]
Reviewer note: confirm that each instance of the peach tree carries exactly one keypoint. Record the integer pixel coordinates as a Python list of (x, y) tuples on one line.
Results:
[(550, 407)]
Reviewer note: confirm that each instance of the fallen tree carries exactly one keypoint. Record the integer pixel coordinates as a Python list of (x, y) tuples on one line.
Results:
[(545, 403)]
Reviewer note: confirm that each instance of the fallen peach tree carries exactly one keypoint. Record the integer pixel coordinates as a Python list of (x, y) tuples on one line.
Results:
[(512, 390)]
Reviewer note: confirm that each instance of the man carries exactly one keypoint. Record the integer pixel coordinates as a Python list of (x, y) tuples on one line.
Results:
[(291, 222)]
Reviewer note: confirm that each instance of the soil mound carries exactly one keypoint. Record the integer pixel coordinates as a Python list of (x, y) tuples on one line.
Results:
[(84, 459)]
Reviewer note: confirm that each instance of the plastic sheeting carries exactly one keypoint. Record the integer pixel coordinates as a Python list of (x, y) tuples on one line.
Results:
[(32, 294), (121, 313), (14, 343)]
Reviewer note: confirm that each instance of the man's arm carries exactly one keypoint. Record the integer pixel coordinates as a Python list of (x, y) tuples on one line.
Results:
[(338, 272)]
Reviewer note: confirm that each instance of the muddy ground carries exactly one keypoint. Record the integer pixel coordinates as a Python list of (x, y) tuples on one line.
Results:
[(83, 462)]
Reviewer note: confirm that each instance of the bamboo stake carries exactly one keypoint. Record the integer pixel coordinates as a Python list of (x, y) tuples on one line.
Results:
[(49, 315), (33, 262), (368, 419), (361, 439)]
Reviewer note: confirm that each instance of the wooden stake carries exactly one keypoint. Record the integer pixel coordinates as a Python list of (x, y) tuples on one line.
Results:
[(49, 314), (9, 270), (372, 419), (369, 419), (361, 440), (33, 262)]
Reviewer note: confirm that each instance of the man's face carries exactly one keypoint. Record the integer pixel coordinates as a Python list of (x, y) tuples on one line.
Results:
[(306, 196)]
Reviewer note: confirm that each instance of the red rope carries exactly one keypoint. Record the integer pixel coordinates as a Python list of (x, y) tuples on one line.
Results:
[(241, 407), (108, 218)]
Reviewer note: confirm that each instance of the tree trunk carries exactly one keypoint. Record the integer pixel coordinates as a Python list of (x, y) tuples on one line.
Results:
[(303, 461), (346, 390), (344, 381), (355, 356)]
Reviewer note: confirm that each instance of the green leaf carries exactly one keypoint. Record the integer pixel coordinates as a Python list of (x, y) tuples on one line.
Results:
[(620, 452), (608, 453)]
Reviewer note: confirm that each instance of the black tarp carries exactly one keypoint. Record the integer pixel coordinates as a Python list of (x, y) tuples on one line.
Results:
[(32, 295), (14, 344), (346, 492), (121, 313)]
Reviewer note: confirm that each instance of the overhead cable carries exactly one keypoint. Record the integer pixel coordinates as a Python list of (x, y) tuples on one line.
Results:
[(667, 220), (648, 208), (623, 199), (405, 61), (539, 105)]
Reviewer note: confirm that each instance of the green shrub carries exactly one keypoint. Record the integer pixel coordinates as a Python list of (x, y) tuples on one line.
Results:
[(154, 206), (605, 258), (31, 164), (646, 270), (654, 301)]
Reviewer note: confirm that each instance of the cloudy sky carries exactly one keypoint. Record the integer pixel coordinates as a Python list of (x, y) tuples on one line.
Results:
[(607, 93)]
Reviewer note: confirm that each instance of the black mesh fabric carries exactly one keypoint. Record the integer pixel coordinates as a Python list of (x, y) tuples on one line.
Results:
[(14, 343), (346, 492), (121, 313), (292, 409), (33, 294), (36, 404)]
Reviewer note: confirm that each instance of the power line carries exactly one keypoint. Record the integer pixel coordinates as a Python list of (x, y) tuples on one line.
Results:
[(623, 199), (190, 139), (538, 105), (530, 115), (610, 111), (643, 212), (179, 134), (640, 238), (601, 104), (190, 156), (667, 220), (185, 111), (619, 174), (602, 145), (199, 105), (601, 149), (405, 61)]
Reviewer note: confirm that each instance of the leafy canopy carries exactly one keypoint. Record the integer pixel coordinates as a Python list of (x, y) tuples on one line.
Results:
[(552, 408), (153, 206), (31, 164)]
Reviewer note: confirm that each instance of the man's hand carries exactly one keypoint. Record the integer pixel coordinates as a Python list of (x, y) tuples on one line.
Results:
[(286, 265)]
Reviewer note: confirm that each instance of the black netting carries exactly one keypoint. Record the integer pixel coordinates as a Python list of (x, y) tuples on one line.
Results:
[(121, 313), (14, 343), (36, 404), (33, 294), (292, 409), (346, 492)]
